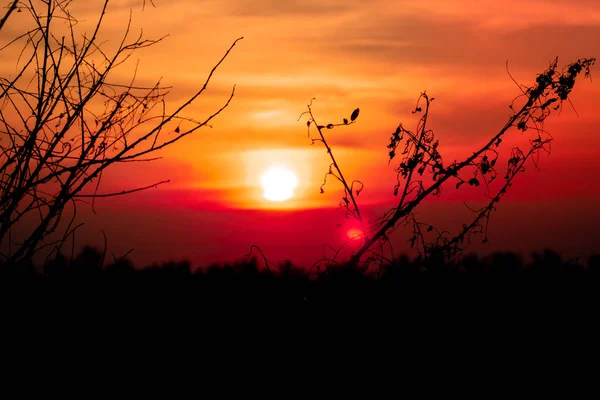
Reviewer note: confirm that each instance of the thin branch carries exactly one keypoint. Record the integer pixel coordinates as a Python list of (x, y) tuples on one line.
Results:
[(102, 195), (12, 7)]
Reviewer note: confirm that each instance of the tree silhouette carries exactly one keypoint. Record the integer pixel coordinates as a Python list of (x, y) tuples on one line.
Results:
[(65, 118), (422, 171)]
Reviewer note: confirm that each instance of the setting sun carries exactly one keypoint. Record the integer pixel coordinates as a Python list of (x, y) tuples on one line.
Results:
[(278, 183)]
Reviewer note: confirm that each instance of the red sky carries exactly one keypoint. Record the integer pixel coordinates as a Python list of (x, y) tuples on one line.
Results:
[(377, 55)]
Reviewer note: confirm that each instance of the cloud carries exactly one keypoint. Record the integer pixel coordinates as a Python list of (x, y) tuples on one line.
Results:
[(278, 8), (437, 43)]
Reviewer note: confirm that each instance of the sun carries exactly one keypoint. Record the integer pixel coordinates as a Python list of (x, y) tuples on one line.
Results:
[(278, 183)]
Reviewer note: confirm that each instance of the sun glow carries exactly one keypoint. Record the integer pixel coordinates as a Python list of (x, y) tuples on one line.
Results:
[(355, 234), (278, 183)]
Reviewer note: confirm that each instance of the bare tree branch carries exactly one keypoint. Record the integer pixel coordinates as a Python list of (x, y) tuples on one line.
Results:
[(12, 7), (64, 120)]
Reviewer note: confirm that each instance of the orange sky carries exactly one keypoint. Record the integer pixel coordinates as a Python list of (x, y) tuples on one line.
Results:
[(377, 55)]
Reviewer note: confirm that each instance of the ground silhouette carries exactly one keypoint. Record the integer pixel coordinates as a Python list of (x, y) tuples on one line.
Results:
[(500, 277)]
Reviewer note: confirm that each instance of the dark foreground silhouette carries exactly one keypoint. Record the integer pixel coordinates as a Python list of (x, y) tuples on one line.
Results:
[(248, 281), (90, 263), (503, 294)]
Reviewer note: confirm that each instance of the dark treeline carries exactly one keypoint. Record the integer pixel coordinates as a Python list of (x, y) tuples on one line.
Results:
[(503, 280), (91, 263)]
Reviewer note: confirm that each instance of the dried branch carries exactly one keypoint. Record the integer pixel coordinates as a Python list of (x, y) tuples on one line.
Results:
[(12, 7), (64, 121), (349, 203), (552, 87), (422, 172)]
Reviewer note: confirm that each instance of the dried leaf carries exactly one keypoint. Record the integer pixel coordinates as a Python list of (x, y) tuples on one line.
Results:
[(474, 182)]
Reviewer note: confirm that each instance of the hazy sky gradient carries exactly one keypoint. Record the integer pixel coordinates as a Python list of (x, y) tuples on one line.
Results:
[(377, 55)]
